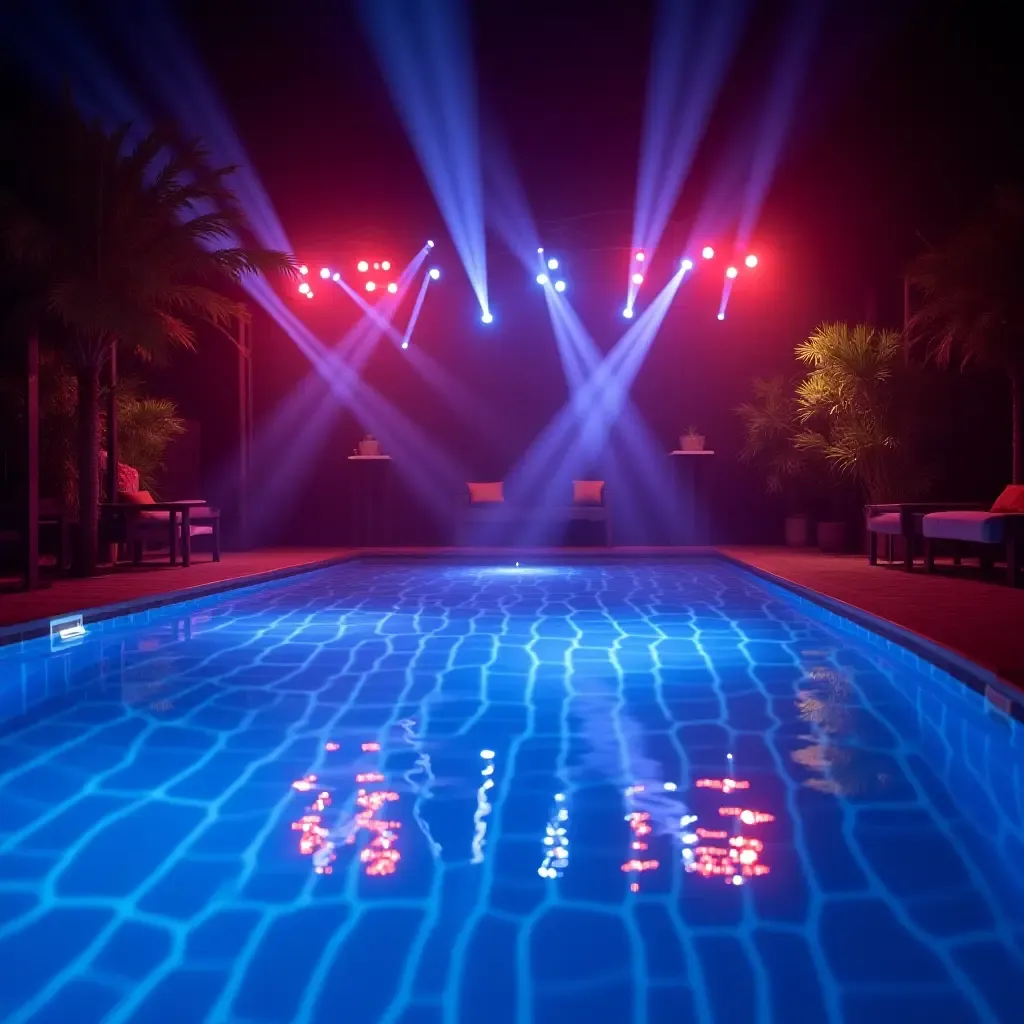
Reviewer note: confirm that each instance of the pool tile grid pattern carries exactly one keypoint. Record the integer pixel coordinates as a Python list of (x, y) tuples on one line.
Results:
[(149, 871)]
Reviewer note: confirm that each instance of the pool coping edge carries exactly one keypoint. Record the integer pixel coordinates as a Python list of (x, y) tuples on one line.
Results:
[(22, 632), (1000, 693)]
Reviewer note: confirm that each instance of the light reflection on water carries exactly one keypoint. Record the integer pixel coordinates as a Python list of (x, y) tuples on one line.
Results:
[(266, 766)]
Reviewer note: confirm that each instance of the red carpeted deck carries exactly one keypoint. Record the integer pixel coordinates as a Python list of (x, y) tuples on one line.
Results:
[(153, 580), (982, 619)]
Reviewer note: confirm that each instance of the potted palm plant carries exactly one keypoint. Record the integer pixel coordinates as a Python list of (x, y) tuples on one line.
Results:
[(848, 411), (691, 441), (770, 425)]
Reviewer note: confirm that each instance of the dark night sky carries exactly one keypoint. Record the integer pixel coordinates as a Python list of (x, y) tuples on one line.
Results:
[(908, 116)]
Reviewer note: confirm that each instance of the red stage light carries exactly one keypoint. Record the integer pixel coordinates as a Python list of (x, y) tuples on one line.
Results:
[(370, 286), (639, 257), (707, 252), (303, 269), (731, 272), (751, 261), (392, 287), (638, 279), (385, 265), (304, 287), (362, 266)]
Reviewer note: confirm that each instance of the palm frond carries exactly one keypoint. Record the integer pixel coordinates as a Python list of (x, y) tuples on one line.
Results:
[(123, 237)]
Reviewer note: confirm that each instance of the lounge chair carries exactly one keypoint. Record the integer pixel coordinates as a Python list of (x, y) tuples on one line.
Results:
[(486, 504), (902, 519), (138, 519), (1000, 527)]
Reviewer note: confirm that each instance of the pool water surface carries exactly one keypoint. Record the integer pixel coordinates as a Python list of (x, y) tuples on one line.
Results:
[(415, 792)]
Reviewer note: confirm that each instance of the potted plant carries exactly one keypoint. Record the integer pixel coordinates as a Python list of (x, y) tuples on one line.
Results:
[(369, 446), (691, 441), (849, 405), (770, 425)]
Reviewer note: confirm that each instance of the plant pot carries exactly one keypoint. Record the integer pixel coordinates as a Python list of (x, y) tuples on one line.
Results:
[(832, 537), (369, 446), (691, 443), (798, 531)]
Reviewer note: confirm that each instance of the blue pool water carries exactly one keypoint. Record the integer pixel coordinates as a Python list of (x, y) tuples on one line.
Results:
[(412, 792)]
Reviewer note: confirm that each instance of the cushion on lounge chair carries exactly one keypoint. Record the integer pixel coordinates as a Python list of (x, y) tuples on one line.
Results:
[(587, 492), (976, 527), (486, 493), (139, 498), (1011, 500), (887, 522)]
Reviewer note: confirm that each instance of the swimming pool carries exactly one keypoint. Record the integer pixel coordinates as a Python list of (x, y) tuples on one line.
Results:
[(415, 792)]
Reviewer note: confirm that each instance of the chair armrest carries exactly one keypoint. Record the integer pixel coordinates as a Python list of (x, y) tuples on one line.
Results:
[(155, 506), (928, 506)]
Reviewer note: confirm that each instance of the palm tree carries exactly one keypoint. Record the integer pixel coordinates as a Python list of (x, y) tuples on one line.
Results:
[(847, 405), (119, 244), (973, 302), (770, 426)]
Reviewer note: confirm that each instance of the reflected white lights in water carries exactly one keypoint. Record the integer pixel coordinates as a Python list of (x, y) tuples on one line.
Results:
[(483, 808), (556, 840), (515, 570)]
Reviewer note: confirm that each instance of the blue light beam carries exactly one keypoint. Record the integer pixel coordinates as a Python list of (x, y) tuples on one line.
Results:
[(689, 59), (424, 54)]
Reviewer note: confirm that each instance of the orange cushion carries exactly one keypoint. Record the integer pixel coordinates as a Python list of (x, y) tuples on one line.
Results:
[(486, 494), (1011, 500), (143, 498), (136, 497), (587, 492)]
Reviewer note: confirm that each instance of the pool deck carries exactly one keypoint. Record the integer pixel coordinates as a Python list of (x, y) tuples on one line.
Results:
[(981, 620), (154, 582)]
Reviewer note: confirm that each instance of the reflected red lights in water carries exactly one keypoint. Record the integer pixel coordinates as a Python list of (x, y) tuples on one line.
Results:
[(640, 826), (640, 865), (726, 785), (315, 840), (747, 817), (741, 857), (380, 856)]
